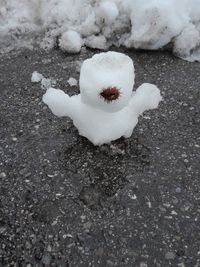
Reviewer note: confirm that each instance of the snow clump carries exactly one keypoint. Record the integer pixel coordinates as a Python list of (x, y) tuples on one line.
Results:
[(70, 41)]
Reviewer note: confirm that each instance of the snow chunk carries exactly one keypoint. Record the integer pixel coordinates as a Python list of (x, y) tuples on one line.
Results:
[(72, 82), (36, 77), (45, 82), (98, 42), (155, 23), (107, 12), (70, 42)]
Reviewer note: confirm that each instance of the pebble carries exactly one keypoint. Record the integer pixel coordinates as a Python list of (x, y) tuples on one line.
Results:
[(2, 230), (178, 190), (46, 259), (170, 255), (2, 175)]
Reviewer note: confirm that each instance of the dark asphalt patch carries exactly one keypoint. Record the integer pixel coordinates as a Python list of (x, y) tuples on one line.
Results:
[(64, 202)]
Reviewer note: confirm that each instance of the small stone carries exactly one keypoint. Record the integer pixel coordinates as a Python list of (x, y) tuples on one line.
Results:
[(110, 263), (2, 230), (23, 171), (49, 249), (83, 217), (87, 225), (170, 255), (14, 139), (54, 223), (46, 259), (99, 251), (178, 190), (184, 155), (173, 212), (28, 245), (2, 175)]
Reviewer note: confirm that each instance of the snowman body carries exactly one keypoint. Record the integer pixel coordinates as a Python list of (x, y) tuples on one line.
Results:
[(100, 126), (106, 108)]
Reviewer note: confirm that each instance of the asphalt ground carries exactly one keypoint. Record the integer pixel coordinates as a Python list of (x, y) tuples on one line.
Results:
[(67, 203)]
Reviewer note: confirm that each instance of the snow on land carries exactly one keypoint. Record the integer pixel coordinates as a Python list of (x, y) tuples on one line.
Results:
[(72, 82), (99, 24), (45, 82)]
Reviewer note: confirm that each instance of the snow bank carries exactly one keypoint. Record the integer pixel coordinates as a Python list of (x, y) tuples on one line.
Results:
[(99, 24)]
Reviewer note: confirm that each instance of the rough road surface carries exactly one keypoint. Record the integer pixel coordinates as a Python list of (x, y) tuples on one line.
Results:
[(66, 203)]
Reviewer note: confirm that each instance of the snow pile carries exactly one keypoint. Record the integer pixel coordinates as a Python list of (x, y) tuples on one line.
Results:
[(106, 108), (99, 24)]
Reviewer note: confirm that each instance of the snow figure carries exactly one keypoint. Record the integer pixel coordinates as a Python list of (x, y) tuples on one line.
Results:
[(106, 108)]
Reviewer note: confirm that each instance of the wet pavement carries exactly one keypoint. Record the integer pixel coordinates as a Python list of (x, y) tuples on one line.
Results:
[(65, 202)]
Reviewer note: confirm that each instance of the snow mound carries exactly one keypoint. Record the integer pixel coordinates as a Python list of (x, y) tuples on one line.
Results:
[(99, 24)]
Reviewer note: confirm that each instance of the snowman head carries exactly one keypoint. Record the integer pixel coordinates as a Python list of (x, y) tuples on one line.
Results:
[(106, 81)]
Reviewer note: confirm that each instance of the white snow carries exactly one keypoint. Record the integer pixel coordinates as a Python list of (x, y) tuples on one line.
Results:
[(106, 70), (72, 82), (70, 41), (107, 12), (145, 24), (36, 77), (45, 82), (98, 42), (106, 108)]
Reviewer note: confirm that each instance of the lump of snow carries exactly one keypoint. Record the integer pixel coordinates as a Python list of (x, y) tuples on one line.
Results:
[(106, 107), (98, 42), (107, 12), (36, 77), (155, 23), (72, 82), (70, 42), (45, 82)]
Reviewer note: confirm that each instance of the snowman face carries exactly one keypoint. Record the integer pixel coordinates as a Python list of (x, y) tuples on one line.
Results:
[(106, 81), (110, 94)]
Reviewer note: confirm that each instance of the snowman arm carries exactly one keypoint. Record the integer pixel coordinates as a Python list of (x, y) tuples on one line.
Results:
[(59, 102), (146, 97)]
